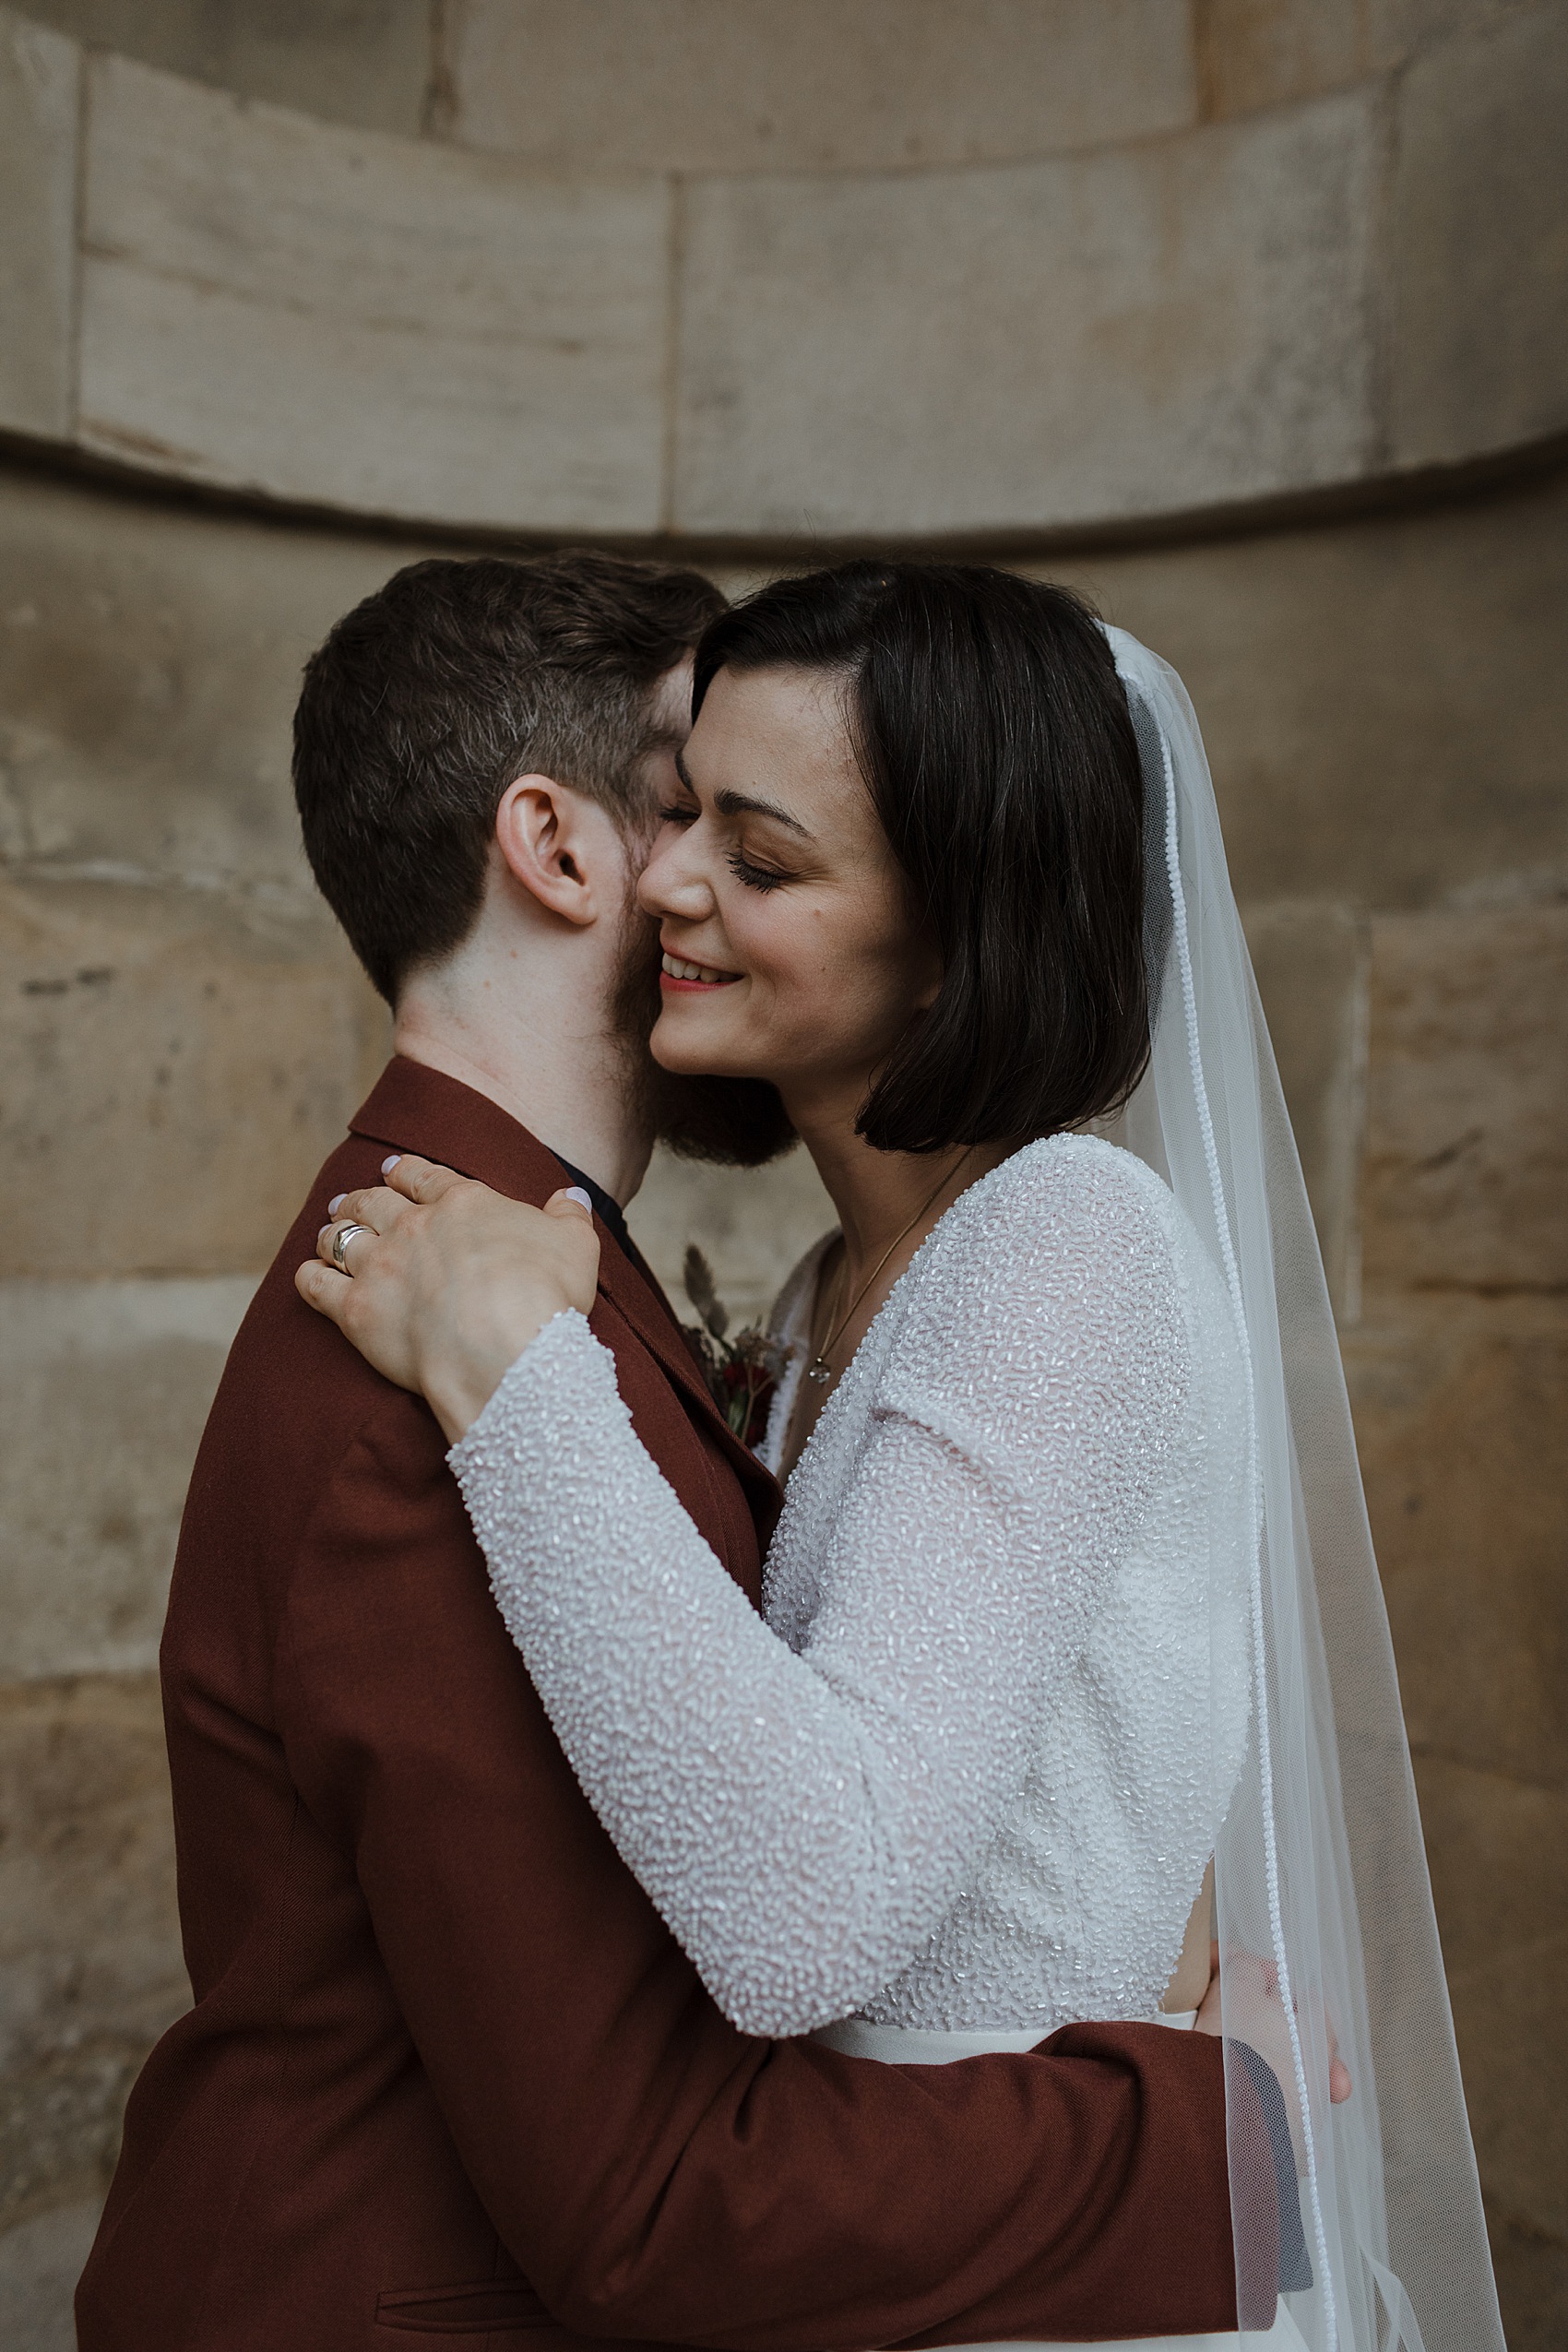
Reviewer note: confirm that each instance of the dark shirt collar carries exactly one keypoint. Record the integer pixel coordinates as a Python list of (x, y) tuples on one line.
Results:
[(606, 1207)]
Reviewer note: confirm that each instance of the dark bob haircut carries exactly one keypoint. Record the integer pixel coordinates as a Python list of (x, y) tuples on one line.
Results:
[(995, 739)]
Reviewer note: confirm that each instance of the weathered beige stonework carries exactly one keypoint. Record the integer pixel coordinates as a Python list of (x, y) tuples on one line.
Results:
[(104, 1387), (746, 85), (1168, 261), (1467, 1136), (40, 2261), (880, 353), (1374, 699), (368, 62), (1461, 1410), (1266, 52), (89, 1954), (217, 1042), (469, 341), (1480, 239), (1493, 1841), (39, 75), (144, 667)]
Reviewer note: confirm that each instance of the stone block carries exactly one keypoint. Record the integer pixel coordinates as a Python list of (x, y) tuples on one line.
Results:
[(1514, 2057), (149, 660), (1486, 1834), (104, 1387), (1310, 964), (1172, 325), (1531, 2268), (1467, 1102), (1461, 1411), (41, 2262), (176, 1065), (1397, 30), (91, 1969), (1480, 243), (752, 1225), (1505, 1923), (1270, 53), (861, 85), (39, 76), (368, 323), (352, 61), (1377, 696)]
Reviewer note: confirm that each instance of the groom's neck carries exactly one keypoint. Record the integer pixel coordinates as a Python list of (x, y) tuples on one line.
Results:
[(533, 1034)]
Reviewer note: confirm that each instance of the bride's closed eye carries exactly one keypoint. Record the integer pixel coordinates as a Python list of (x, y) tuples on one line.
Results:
[(754, 877)]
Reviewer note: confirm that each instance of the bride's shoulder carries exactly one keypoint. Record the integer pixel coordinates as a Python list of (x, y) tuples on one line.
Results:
[(1054, 1276), (1074, 1196), (1070, 1231)]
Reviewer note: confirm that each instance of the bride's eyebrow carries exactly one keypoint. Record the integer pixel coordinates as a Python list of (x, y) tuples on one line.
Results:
[(728, 802)]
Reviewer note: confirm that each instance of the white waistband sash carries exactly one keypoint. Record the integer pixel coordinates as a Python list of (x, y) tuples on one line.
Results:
[(912, 2045)]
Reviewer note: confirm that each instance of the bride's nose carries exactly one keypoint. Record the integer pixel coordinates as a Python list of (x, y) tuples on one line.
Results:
[(673, 881)]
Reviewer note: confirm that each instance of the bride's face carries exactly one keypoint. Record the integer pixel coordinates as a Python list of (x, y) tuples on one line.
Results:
[(788, 951)]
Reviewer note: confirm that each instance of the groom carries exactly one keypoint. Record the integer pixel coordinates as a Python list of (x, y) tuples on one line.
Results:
[(446, 2072)]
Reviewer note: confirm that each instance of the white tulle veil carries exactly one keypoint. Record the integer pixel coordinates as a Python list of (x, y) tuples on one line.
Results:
[(1320, 1873)]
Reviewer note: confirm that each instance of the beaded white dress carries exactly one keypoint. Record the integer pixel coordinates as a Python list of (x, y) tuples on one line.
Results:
[(967, 1777)]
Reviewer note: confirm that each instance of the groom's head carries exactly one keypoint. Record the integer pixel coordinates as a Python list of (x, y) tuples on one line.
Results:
[(480, 748), (434, 697)]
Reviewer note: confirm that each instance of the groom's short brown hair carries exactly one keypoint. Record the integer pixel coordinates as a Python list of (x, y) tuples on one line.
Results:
[(430, 697)]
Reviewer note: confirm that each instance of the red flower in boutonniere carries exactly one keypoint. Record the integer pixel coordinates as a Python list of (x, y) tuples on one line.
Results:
[(742, 1372)]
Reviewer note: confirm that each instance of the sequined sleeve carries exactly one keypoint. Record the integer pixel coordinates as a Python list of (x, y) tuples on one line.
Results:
[(804, 1817)]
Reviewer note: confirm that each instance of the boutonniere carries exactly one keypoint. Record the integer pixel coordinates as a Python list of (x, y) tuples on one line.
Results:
[(742, 1373)]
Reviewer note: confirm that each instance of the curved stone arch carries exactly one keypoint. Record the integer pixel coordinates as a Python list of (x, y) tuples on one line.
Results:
[(1350, 272)]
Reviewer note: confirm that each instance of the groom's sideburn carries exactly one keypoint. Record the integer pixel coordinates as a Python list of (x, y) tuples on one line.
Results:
[(447, 2075)]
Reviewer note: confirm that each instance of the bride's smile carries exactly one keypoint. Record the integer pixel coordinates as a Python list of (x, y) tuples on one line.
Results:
[(681, 976)]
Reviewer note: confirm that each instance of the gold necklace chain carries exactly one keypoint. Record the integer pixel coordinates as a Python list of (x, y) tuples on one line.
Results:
[(819, 1370)]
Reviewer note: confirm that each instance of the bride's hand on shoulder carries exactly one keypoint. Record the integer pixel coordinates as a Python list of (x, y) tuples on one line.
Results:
[(441, 1283)]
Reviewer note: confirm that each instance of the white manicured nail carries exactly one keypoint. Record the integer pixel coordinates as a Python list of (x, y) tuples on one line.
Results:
[(390, 1163), (576, 1192), (336, 1203)]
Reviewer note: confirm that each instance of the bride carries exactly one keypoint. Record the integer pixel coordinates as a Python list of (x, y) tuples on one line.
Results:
[(1047, 1691)]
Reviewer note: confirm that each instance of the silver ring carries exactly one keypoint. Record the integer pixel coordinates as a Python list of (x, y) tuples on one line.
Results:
[(341, 1240)]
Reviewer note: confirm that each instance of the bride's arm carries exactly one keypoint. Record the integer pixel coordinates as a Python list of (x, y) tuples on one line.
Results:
[(803, 1822)]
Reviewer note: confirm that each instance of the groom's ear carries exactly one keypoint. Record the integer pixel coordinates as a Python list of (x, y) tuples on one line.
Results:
[(561, 848)]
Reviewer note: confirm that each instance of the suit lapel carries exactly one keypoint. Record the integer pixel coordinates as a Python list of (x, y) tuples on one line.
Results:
[(651, 1317), (415, 1109)]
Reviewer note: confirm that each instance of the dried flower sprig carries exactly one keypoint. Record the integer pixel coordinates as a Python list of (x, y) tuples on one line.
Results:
[(742, 1372)]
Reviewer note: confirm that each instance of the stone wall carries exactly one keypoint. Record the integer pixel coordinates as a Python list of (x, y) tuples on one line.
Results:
[(289, 293), (820, 270)]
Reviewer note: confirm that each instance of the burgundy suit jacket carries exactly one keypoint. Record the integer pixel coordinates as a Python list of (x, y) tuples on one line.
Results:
[(448, 2075)]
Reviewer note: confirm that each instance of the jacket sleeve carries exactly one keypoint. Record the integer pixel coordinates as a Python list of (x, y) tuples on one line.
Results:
[(657, 2174)]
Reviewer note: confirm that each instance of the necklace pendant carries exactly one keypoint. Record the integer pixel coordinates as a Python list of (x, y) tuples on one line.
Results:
[(819, 1371)]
